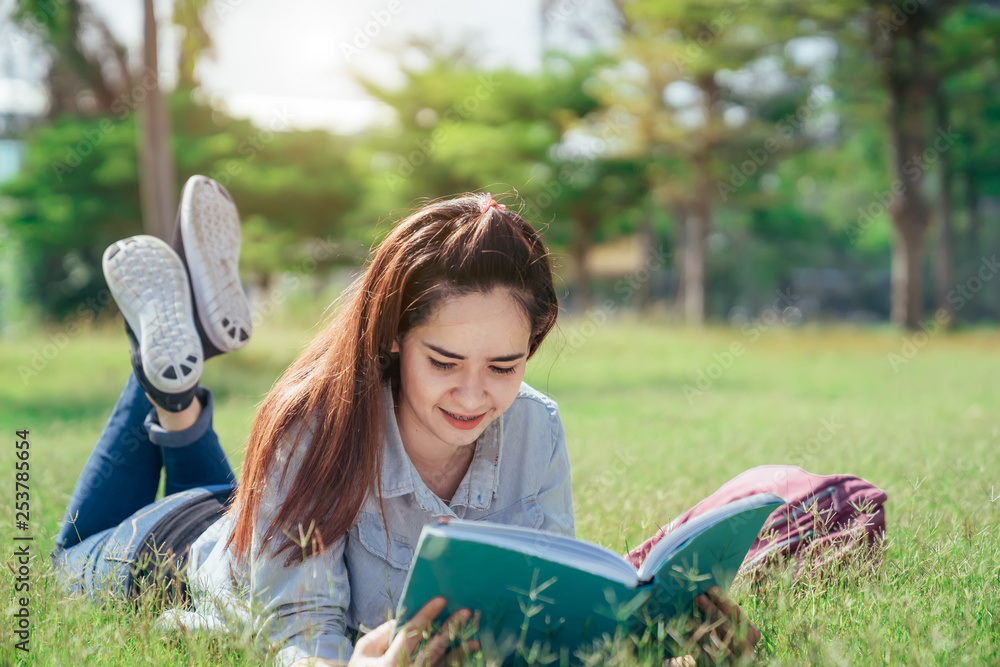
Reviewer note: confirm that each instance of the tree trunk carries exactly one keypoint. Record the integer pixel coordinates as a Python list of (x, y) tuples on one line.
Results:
[(699, 219), (972, 249), (910, 216), (972, 210), (584, 282), (696, 226), (907, 283), (156, 174), (647, 240), (944, 263), (680, 215)]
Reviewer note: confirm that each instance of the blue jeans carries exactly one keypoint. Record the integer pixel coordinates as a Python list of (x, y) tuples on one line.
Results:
[(111, 510)]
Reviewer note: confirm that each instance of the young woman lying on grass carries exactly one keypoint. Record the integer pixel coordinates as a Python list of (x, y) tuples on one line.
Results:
[(408, 407)]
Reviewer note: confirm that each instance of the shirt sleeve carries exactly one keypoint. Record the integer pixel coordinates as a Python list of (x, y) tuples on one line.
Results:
[(555, 495), (299, 608)]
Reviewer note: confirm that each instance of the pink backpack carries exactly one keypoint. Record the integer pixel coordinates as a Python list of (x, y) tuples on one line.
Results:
[(824, 516)]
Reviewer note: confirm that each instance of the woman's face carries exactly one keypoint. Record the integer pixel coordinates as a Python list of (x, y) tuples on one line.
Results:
[(459, 370)]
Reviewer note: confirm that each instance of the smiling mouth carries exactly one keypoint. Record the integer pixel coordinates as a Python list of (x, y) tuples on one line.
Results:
[(461, 418)]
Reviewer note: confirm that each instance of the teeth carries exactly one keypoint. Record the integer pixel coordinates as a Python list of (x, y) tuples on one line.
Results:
[(464, 419)]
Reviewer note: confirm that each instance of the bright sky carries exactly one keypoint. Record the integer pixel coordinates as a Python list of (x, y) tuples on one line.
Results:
[(294, 56), (292, 59)]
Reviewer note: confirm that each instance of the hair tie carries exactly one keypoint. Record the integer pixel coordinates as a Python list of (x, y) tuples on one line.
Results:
[(488, 202)]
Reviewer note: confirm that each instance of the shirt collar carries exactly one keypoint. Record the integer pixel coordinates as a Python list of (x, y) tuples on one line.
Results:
[(400, 477)]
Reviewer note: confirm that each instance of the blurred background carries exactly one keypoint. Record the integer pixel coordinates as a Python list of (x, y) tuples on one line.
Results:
[(698, 161)]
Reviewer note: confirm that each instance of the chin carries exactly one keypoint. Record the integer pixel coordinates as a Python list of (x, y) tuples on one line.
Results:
[(465, 439)]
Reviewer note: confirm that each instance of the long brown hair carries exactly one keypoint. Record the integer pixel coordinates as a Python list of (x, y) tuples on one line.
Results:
[(445, 249)]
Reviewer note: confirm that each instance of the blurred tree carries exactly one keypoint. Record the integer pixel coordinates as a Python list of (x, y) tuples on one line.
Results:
[(915, 47), (89, 75), (157, 172), (967, 106), (460, 129), (594, 199), (88, 68), (77, 192), (687, 119), (195, 42)]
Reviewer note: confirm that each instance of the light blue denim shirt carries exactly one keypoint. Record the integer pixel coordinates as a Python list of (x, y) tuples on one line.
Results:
[(520, 475)]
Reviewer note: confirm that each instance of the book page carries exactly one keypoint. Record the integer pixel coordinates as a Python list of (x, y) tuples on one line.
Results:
[(736, 522), (569, 551)]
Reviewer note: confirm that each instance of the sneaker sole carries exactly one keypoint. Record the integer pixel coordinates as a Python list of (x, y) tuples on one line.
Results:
[(210, 229), (149, 284)]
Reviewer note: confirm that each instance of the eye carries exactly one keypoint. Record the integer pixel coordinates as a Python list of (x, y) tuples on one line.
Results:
[(504, 371), (440, 364)]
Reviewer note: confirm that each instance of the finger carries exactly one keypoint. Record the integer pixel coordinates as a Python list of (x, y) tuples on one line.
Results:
[(713, 638), (707, 607), (460, 654), (702, 631), (725, 604), (376, 642), (438, 645), (426, 614), (722, 601), (738, 617), (753, 633), (409, 636)]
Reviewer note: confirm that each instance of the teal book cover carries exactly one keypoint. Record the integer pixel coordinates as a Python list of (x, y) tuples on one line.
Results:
[(530, 586)]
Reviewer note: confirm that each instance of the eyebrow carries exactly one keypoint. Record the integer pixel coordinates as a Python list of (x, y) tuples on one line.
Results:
[(452, 355)]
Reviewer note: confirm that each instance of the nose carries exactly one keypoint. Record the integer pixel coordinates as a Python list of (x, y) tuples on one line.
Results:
[(470, 394)]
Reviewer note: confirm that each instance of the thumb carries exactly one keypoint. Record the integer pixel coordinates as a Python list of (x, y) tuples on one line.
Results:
[(376, 642)]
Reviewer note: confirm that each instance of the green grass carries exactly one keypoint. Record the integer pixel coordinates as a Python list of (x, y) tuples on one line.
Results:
[(643, 450)]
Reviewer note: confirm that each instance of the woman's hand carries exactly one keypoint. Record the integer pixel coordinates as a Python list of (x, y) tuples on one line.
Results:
[(375, 649), (724, 633)]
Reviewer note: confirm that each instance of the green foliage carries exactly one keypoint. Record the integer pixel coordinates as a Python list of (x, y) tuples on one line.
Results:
[(796, 175), (196, 41), (461, 129), (78, 192)]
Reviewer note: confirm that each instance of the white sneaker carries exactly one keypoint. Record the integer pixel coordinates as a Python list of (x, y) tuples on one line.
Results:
[(207, 238), (148, 282)]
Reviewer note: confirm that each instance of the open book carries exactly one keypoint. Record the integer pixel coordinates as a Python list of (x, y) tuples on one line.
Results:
[(532, 585)]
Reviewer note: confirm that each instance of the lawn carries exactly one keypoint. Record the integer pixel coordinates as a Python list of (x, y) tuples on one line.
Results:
[(656, 417)]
